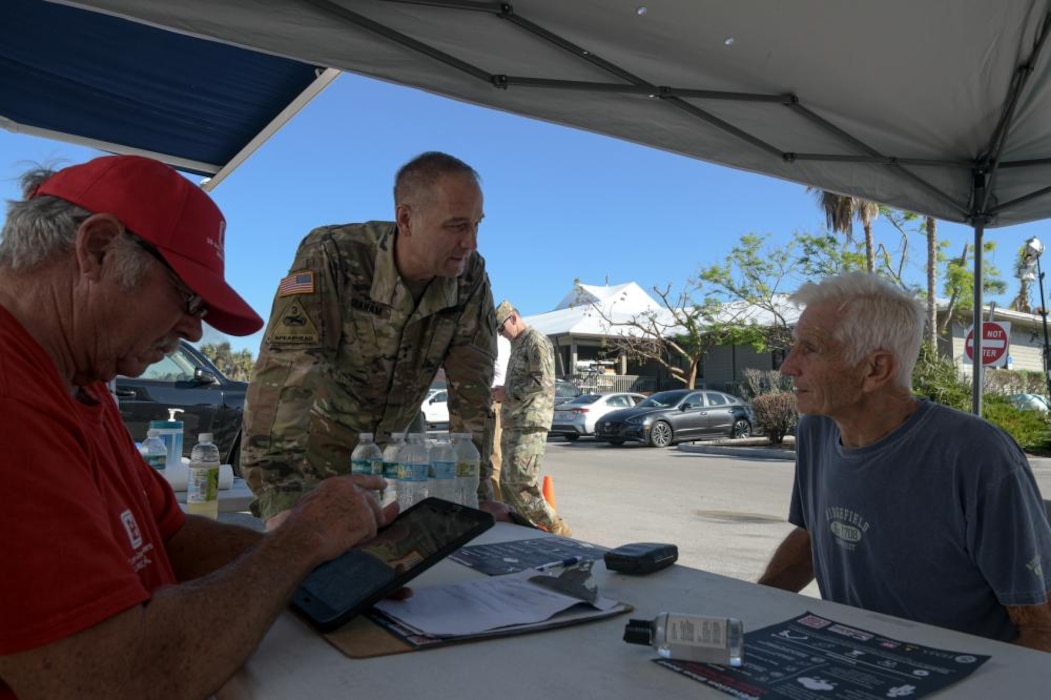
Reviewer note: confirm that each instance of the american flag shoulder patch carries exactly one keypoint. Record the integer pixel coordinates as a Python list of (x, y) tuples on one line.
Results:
[(297, 283)]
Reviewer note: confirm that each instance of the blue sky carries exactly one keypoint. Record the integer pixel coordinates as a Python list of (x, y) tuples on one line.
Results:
[(560, 203)]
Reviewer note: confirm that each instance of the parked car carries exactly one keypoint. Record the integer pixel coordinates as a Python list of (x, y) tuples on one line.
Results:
[(436, 408), (577, 417), (679, 415), (187, 380), (1029, 402), (564, 391)]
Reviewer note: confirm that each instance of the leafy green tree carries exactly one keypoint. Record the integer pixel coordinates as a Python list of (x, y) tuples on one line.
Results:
[(959, 281), (235, 365)]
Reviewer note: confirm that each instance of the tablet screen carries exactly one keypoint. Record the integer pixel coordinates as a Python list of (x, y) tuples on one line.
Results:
[(417, 539)]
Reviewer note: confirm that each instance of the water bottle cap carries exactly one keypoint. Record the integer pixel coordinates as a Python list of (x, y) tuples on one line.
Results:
[(365, 436), (204, 437)]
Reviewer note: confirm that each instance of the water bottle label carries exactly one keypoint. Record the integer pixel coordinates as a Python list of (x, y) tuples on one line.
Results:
[(412, 472), (203, 484), (444, 470), (390, 470), (466, 469), (361, 466), (157, 461), (376, 466)]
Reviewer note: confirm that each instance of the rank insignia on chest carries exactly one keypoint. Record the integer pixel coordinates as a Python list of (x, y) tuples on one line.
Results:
[(301, 282)]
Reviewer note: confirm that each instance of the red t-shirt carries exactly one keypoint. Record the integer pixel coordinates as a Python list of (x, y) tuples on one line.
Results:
[(83, 520)]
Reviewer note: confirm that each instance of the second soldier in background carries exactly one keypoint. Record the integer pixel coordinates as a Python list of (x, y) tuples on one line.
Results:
[(527, 408)]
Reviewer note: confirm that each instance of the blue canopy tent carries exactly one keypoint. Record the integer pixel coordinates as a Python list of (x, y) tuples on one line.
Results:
[(120, 86), (941, 107)]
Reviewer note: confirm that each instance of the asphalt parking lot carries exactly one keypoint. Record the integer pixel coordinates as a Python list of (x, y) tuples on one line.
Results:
[(725, 512)]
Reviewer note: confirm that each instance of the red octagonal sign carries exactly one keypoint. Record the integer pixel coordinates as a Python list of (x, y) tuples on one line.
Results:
[(996, 341)]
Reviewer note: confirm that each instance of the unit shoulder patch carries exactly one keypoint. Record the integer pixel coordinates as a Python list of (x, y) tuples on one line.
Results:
[(293, 325)]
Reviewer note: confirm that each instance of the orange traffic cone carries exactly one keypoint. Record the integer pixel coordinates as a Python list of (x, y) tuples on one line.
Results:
[(549, 491)]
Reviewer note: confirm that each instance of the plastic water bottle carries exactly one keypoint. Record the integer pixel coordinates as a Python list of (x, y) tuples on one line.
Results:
[(468, 465), (367, 457), (413, 465), (153, 450), (442, 482), (170, 432), (202, 488), (390, 468)]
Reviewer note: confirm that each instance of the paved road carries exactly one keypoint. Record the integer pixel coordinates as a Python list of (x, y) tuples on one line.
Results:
[(726, 513)]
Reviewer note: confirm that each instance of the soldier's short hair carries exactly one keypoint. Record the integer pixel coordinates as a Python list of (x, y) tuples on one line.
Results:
[(422, 172)]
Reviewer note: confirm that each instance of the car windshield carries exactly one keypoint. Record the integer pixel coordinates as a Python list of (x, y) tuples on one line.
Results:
[(664, 399), (584, 399), (564, 389)]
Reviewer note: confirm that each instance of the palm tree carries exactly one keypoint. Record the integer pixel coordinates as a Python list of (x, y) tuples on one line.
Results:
[(840, 212), (931, 225)]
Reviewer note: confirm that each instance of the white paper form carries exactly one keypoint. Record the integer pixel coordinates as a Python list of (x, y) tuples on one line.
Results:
[(485, 604)]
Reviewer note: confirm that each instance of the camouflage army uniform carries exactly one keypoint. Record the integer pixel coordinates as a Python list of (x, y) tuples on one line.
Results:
[(526, 413), (347, 351)]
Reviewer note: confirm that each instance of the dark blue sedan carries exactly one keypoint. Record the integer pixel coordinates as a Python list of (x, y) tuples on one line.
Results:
[(679, 415)]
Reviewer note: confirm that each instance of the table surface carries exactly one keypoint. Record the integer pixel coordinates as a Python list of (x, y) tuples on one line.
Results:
[(591, 660)]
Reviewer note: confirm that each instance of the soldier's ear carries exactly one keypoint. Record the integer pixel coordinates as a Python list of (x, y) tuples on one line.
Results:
[(403, 218)]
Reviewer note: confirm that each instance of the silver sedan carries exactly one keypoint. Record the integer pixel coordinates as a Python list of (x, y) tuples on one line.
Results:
[(577, 417)]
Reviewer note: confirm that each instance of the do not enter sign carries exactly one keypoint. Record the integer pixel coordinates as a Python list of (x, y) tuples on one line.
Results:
[(996, 341)]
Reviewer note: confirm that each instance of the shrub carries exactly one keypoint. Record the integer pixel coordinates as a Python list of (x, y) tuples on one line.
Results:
[(776, 415), (758, 382), (1030, 429), (937, 378)]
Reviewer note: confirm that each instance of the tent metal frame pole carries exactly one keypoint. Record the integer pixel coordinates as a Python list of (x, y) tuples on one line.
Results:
[(978, 375)]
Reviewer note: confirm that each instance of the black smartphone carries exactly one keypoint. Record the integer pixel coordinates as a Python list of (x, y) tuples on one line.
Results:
[(418, 538)]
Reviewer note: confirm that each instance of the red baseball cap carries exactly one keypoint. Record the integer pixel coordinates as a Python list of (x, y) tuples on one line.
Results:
[(178, 218)]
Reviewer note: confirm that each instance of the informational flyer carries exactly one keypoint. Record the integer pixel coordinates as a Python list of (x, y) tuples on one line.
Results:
[(814, 658)]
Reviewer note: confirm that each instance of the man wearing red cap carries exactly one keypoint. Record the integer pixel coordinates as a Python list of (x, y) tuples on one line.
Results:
[(103, 268)]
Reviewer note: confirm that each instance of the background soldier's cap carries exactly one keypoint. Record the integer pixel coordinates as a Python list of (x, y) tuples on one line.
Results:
[(503, 312), (162, 207)]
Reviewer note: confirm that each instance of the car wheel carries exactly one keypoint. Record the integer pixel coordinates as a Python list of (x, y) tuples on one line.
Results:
[(572, 437), (742, 429), (660, 434), (617, 442)]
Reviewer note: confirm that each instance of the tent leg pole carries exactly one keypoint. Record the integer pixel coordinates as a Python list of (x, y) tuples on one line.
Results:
[(978, 375)]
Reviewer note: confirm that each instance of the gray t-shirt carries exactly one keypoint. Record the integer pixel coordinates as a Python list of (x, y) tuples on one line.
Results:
[(941, 521)]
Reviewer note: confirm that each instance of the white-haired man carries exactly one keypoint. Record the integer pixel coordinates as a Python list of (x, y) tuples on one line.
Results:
[(901, 505)]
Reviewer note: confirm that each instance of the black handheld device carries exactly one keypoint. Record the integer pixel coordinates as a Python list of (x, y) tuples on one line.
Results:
[(641, 557), (418, 538)]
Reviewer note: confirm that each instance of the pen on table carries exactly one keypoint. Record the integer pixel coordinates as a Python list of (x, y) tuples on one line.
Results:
[(556, 564)]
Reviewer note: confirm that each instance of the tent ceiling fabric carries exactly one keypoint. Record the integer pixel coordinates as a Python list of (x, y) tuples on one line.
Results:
[(896, 101), (119, 85)]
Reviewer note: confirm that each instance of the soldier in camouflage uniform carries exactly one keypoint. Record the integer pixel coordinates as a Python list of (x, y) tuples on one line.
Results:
[(359, 328), (527, 407)]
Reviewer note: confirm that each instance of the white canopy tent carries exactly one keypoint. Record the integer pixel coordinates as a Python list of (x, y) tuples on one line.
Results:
[(942, 107)]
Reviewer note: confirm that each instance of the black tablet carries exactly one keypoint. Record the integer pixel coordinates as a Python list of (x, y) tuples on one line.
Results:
[(417, 539)]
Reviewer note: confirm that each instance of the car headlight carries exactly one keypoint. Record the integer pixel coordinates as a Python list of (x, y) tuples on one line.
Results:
[(637, 420)]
